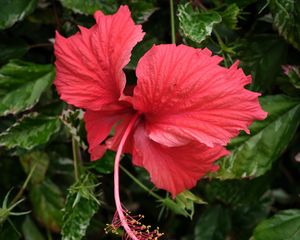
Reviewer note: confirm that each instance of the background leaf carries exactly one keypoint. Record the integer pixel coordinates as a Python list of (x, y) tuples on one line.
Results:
[(31, 231), (214, 224), (282, 226), (79, 209), (90, 6), (21, 85), (262, 57), (232, 192), (14, 10), (230, 16), (183, 204), (140, 49), (142, 9), (106, 164), (30, 132), (40, 161), (253, 155), (196, 25), (47, 202), (286, 18)]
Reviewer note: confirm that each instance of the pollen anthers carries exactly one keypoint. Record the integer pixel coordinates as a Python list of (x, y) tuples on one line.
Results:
[(141, 231)]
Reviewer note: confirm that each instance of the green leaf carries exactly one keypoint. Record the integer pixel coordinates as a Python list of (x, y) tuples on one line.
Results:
[(80, 208), (140, 49), (77, 219), (47, 202), (253, 155), (183, 204), (30, 131), (245, 217), (15, 10), (21, 85), (105, 165), (141, 10), (262, 56), (197, 25), (285, 225), (30, 230), (230, 16), (186, 201), (213, 224), (38, 159), (286, 19), (90, 6), (231, 192)]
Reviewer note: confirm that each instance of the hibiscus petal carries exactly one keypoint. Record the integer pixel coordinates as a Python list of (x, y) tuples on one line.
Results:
[(98, 125), (89, 64), (113, 142), (174, 169), (186, 96)]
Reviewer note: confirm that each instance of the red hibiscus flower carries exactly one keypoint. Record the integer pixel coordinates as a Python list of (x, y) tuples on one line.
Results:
[(183, 110)]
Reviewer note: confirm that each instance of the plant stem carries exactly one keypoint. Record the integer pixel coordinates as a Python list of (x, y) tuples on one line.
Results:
[(140, 184), (76, 162), (221, 43), (21, 191), (57, 20), (173, 36)]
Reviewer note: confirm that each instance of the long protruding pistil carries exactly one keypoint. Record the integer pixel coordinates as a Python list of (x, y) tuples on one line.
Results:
[(116, 178)]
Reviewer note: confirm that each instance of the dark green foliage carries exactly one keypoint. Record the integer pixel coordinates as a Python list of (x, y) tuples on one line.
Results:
[(213, 224), (253, 155), (13, 11), (106, 164), (284, 225), (29, 132), (22, 84), (262, 56), (80, 207), (255, 193), (30, 230), (286, 15), (47, 201), (90, 6)]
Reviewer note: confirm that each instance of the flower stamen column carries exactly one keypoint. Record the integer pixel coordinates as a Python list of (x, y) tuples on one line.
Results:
[(120, 210)]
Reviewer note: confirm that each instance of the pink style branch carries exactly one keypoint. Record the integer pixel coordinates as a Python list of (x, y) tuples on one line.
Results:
[(183, 110)]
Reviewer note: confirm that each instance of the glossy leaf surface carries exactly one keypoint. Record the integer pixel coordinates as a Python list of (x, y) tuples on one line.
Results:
[(13, 11), (29, 132), (253, 155), (22, 84), (282, 226), (286, 15)]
